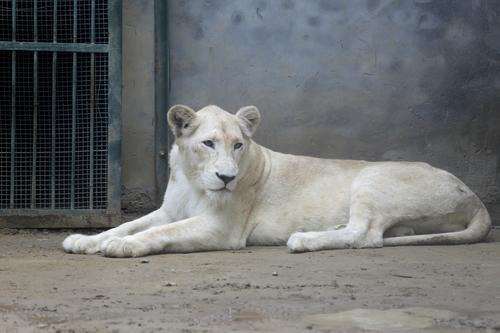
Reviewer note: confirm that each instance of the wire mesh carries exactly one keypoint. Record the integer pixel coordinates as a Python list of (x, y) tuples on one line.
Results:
[(60, 13), (44, 132), (54, 107), (45, 20), (83, 119), (6, 20), (60, 126), (24, 21), (63, 130), (100, 136), (64, 21), (101, 21), (5, 126), (23, 129), (84, 21)]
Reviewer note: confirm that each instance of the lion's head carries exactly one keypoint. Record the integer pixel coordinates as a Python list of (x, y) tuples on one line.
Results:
[(212, 144)]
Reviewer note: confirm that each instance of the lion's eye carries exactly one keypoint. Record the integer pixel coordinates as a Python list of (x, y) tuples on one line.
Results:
[(208, 143), (238, 145)]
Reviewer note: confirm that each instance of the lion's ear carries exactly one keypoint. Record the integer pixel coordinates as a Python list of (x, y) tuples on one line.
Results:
[(249, 117), (181, 119)]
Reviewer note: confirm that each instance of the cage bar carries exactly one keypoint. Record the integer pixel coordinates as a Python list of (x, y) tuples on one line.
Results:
[(53, 118), (13, 110), (54, 26), (92, 22), (92, 104), (13, 129), (35, 127), (73, 109), (53, 127), (14, 20), (35, 107), (35, 20), (43, 46)]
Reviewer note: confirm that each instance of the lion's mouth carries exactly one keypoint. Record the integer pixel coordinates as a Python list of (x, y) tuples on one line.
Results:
[(222, 189)]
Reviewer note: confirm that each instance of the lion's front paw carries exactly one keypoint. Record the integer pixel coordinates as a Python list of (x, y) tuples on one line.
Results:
[(302, 242), (124, 247), (77, 243)]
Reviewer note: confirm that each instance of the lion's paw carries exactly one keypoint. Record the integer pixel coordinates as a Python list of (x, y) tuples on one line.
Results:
[(302, 242), (124, 247), (77, 243)]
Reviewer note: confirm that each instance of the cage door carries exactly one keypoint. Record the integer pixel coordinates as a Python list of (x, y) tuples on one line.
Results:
[(60, 89)]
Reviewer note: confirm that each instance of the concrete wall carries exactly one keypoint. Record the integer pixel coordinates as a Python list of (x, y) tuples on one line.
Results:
[(374, 80), (138, 169)]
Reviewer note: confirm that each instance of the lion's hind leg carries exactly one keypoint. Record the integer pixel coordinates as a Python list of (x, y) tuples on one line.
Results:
[(371, 212), (414, 195), (363, 230)]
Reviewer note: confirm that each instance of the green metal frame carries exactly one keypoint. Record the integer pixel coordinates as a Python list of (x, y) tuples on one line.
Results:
[(80, 218)]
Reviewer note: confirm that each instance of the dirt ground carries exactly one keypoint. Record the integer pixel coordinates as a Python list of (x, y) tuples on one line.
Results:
[(438, 289)]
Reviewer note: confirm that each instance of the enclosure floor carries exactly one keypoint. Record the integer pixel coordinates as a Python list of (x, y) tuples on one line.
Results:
[(256, 289)]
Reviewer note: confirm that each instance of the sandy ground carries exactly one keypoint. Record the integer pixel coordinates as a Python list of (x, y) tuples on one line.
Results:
[(256, 289)]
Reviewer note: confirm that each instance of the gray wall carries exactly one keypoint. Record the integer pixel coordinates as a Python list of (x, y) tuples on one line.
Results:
[(138, 169), (374, 80)]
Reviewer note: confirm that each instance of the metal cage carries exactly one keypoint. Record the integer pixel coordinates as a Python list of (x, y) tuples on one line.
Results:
[(60, 95)]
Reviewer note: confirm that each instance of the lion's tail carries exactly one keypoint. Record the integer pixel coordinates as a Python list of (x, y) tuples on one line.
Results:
[(477, 230)]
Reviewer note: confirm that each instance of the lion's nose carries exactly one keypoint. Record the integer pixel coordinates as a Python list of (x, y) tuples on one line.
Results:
[(225, 178)]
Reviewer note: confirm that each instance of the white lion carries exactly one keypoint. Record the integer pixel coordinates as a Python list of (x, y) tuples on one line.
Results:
[(226, 191)]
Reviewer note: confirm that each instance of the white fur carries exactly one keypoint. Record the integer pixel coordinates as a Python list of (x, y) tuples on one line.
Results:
[(278, 198)]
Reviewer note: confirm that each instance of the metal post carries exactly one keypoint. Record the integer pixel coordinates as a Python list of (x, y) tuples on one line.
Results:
[(92, 105), (161, 95), (53, 117), (35, 106), (13, 109), (13, 129), (13, 20), (73, 110)]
